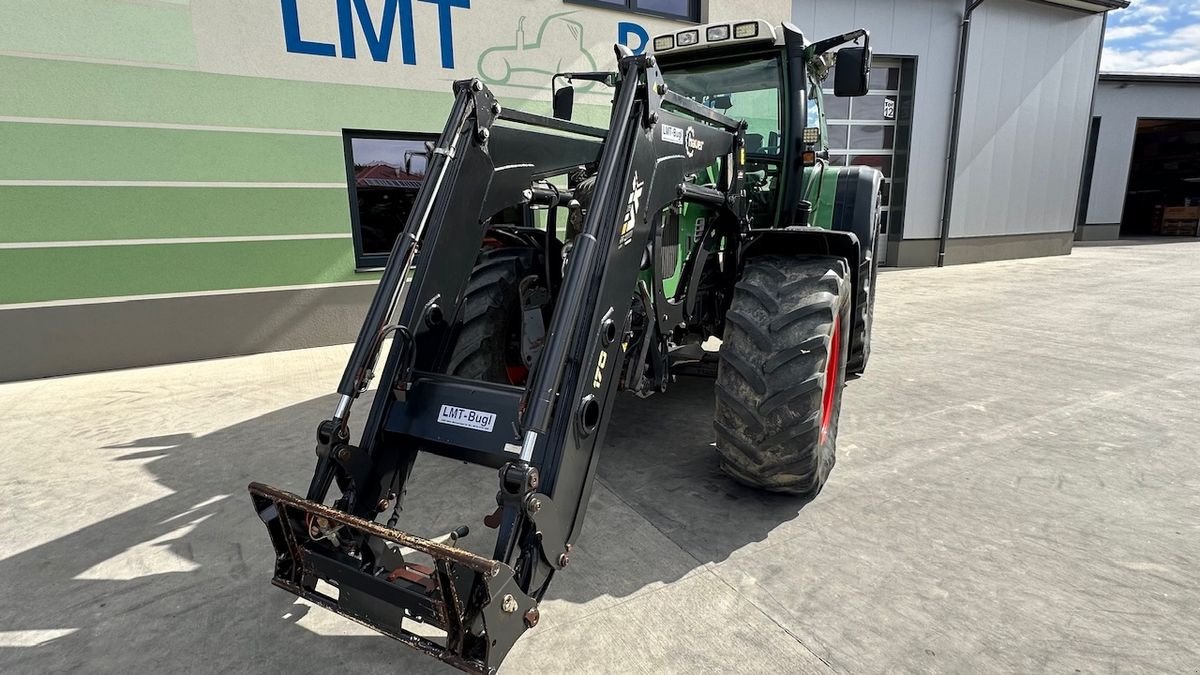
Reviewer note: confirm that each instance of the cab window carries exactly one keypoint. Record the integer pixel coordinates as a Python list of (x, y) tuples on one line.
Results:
[(747, 90), (816, 109)]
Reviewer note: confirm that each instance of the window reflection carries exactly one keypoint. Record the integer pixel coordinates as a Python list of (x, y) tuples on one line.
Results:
[(387, 172), (836, 108), (885, 78), (872, 137), (839, 135), (881, 162)]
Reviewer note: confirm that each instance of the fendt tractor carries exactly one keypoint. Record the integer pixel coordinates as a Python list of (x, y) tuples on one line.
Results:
[(547, 265)]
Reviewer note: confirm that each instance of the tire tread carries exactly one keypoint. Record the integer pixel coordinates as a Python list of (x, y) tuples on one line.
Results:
[(771, 378)]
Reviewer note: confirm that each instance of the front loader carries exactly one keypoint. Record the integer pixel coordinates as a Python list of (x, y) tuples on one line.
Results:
[(706, 209)]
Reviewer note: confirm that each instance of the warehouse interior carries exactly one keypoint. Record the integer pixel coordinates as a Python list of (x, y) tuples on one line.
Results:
[(1142, 177), (1163, 194)]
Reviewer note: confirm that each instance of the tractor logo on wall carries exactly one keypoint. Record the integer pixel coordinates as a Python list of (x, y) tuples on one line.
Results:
[(557, 47)]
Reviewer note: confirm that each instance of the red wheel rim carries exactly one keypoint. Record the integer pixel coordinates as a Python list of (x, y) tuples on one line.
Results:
[(832, 368)]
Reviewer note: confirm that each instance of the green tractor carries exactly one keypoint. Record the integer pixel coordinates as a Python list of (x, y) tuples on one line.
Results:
[(547, 265), (792, 320)]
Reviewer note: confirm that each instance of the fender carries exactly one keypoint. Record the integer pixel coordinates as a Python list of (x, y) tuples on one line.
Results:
[(856, 209), (810, 241), (854, 206), (802, 241)]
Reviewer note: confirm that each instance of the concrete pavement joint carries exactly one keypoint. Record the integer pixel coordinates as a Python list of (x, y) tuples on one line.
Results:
[(773, 620)]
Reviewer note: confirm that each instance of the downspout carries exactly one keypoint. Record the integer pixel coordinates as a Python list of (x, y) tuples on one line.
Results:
[(964, 43), (1080, 212)]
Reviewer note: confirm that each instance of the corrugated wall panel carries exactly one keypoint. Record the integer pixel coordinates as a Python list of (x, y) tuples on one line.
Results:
[(78, 152), (125, 93), (74, 213), (39, 275), (1026, 103), (928, 31)]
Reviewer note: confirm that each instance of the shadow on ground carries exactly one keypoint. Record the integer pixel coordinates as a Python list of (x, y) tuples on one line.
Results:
[(183, 582)]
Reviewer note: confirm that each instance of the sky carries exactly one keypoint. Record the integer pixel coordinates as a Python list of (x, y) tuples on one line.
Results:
[(1158, 36)]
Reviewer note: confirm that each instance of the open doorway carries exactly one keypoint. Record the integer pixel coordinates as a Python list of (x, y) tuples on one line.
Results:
[(1163, 195)]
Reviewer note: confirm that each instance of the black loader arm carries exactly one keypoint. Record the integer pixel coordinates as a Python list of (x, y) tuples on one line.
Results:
[(543, 438)]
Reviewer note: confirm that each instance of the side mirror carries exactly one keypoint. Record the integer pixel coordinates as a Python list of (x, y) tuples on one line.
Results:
[(852, 71), (564, 102)]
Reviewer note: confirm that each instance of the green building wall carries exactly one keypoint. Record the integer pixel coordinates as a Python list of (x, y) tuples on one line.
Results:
[(167, 193), (121, 181)]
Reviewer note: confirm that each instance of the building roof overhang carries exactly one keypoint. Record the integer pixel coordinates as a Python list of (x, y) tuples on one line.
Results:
[(1089, 5), (1150, 78)]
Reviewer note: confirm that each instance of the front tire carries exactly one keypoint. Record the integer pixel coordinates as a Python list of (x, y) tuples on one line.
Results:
[(782, 370), (487, 347)]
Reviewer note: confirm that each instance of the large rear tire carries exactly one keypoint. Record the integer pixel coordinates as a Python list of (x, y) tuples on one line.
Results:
[(781, 374), (860, 338), (858, 209)]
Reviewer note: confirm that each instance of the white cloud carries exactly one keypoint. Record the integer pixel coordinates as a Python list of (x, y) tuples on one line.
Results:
[(1187, 36), (1126, 32), (1138, 60), (1147, 12), (1154, 37), (1186, 68)]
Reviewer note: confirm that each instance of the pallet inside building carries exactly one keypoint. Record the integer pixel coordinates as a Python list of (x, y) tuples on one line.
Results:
[(1180, 221)]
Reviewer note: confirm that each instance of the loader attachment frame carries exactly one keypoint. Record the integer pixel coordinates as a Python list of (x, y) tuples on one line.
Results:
[(542, 438), (439, 596)]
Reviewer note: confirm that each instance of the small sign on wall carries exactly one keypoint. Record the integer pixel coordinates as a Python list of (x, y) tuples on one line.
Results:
[(889, 107)]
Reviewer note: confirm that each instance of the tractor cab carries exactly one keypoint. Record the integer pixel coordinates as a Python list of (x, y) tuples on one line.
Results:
[(772, 79), (769, 77)]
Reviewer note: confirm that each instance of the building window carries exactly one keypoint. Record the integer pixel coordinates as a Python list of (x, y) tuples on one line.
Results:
[(687, 10), (384, 172)]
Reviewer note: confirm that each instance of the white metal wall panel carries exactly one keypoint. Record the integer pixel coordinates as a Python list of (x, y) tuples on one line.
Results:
[(1031, 73), (927, 30), (1119, 105)]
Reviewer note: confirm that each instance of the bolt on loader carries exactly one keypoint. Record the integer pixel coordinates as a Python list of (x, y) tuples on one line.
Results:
[(706, 209)]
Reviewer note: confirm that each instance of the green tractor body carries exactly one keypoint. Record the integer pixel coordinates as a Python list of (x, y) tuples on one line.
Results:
[(547, 267), (773, 79)]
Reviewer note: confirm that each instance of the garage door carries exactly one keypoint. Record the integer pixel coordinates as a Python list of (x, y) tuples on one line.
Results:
[(863, 130)]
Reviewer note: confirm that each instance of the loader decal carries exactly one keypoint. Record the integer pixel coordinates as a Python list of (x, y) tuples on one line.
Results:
[(635, 199), (672, 134), (466, 418), (598, 379), (691, 143)]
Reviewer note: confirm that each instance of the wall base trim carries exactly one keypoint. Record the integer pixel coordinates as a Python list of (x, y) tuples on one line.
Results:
[(959, 251), (1098, 232), (64, 340)]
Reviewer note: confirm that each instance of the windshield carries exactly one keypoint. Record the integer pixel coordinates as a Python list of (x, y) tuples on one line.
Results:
[(747, 90)]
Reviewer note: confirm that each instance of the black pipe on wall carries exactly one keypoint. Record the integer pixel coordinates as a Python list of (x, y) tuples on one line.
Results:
[(964, 44)]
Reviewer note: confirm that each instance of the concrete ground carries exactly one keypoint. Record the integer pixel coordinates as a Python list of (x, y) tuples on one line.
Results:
[(1017, 490)]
